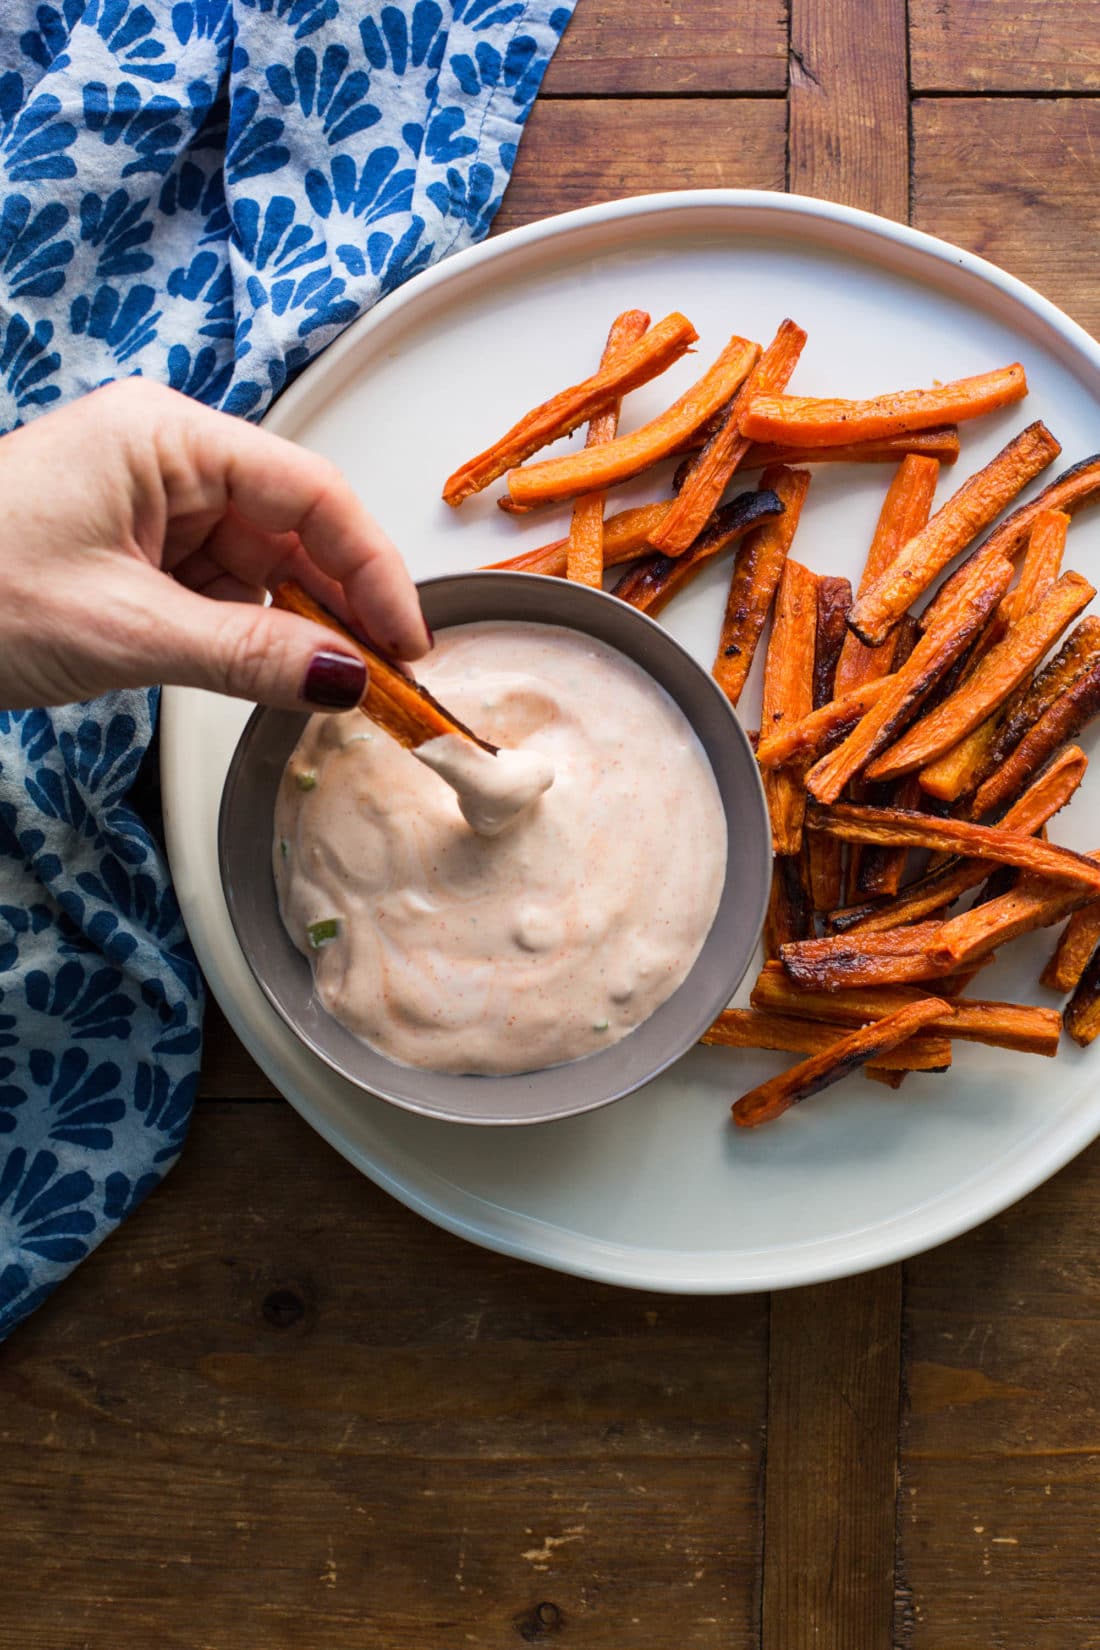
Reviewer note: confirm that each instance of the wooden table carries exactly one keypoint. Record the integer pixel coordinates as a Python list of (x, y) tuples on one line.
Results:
[(277, 1410)]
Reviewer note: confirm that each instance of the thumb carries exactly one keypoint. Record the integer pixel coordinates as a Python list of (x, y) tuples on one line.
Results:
[(262, 654)]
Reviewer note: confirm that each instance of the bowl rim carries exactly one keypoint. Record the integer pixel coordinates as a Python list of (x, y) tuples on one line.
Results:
[(754, 802)]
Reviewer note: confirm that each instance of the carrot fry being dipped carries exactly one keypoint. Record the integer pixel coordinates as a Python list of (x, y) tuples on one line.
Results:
[(654, 580), (788, 693), (1017, 1026), (1001, 670), (711, 470), (895, 827), (754, 580), (771, 1099), (973, 507), (551, 479), (807, 421), (562, 413), (936, 651), (584, 556), (751, 1028)]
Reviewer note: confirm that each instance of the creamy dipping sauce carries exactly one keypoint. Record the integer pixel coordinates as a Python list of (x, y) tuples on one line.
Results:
[(460, 952)]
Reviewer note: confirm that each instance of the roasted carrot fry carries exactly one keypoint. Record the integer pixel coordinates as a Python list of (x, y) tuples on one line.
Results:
[(584, 558), (625, 538), (1029, 905), (562, 413), (973, 507), (1078, 653), (1017, 1026), (654, 580), (1082, 1015), (755, 577), (1071, 491), (788, 694), (1076, 944), (824, 855), (771, 1099), (892, 957), (940, 888), (1001, 670), (803, 421), (942, 444), (1064, 720), (1039, 569), (711, 471), (804, 742), (407, 711), (937, 649), (904, 512), (879, 869), (747, 1028), (897, 828), (592, 468), (789, 917)]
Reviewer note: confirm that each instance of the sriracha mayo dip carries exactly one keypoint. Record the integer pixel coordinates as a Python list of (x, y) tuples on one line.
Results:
[(458, 951)]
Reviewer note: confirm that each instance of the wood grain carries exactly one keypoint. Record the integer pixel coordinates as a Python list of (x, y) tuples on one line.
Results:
[(1014, 180), (228, 1071), (653, 46), (280, 1411), (829, 1494), (986, 45), (849, 105), (999, 1451), (574, 154)]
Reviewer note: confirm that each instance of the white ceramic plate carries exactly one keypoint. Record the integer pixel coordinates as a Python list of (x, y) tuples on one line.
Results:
[(660, 1191)]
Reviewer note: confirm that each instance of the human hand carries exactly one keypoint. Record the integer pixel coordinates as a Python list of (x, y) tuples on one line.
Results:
[(138, 532)]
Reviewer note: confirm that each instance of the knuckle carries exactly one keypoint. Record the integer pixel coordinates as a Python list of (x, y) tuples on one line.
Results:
[(250, 653)]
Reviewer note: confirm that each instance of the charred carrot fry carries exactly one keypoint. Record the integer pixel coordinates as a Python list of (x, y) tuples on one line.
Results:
[(1076, 944), (804, 421), (562, 413), (711, 471), (625, 538), (894, 827), (1071, 491), (1018, 1026), (749, 1028), (771, 1099), (654, 580), (1078, 652), (941, 887), (1082, 1016), (551, 479), (1029, 905), (804, 742), (407, 711), (824, 865), (788, 694), (754, 580), (904, 512), (943, 445), (1064, 720), (584, 557), (897, 956), (937, 649), (971, 509), (789, 917), (1002, 670)]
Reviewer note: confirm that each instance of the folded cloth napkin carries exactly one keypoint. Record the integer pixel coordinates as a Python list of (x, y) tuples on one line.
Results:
[(206, 193)]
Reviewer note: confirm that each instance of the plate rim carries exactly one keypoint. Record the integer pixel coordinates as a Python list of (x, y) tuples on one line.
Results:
[(507, 1231)]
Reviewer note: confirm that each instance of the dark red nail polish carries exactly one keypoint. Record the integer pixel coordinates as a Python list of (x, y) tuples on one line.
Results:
[(335, 680)]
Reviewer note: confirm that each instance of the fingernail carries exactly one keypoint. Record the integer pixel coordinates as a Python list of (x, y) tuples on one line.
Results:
[(335, 680)]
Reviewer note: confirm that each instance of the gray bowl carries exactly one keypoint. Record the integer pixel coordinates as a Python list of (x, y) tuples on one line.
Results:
[(283, 974)]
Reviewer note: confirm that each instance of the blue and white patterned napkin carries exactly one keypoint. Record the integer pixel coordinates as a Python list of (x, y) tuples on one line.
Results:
[(206, 193)]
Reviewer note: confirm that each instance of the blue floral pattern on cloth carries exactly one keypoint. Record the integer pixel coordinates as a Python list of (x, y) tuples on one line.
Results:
[(205, 192)]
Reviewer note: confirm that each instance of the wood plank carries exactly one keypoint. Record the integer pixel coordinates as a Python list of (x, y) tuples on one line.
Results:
[(1014, 180), (986, 46), (1001, 1436), (279, 1410), (228, 1071), (849, 105), (711, 46), (830, 1483), (576, 153)]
